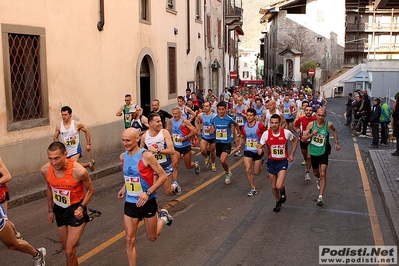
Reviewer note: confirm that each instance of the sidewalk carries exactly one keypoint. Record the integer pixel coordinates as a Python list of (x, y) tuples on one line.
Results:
[(387, 171), (26, 189)]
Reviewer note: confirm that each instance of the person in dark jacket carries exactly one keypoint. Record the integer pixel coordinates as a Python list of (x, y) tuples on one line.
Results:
[(375, 122), (349, 109), (395, 122), (365, 109), (156, 109)]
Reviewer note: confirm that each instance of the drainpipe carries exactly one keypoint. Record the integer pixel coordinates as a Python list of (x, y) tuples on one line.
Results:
[(100, 24), (188, 27)]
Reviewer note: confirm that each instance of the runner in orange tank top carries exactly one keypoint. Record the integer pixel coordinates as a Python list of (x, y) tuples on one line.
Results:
[(67, 201)]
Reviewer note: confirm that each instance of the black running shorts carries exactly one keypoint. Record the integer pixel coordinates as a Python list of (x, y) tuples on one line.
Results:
[(148, 210), (66, 216)]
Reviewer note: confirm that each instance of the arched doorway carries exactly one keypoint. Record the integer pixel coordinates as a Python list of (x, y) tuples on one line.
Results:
[(145, 84), (199, 76)]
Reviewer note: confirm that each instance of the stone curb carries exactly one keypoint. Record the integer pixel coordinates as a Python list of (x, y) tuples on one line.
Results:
[(389, 202)]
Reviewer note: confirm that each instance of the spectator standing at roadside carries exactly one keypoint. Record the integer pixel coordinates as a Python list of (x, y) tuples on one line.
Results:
[(375, 122), (385, 118), (156, 109), (395, 121), (349, 110), (365, 108)]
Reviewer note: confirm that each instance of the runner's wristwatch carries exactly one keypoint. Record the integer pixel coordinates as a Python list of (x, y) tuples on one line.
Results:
[(148, 192)]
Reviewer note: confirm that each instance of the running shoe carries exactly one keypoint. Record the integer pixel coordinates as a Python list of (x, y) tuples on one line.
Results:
[(92, 164), (307, 177), (227, 179), (362, 136), (373, 146), (197, 168), (213, 167), (278, 207), (384, 144), (320, 201), (283, 197), (252, 192), (169, 218), (38, 260), (303, 163), (176, 187), (318, 183), (238, 153), (93, 213), (207, 162)]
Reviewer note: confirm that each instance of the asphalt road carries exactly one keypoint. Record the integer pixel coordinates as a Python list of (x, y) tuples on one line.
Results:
[(217, 224)]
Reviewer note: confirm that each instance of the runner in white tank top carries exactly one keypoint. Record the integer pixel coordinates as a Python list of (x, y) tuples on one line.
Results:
[(70, 137)]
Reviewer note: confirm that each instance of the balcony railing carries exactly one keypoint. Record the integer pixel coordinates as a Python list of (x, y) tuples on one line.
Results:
[(233, 14), (381, 27), (355, 27), (370, 27), (369, 47), (234, 8)]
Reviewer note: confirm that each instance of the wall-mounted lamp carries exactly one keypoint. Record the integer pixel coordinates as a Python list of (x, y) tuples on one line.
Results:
[(176, 31), (199, 35), (238, 40)]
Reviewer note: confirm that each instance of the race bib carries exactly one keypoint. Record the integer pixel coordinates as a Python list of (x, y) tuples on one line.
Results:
[(278, 151), (221, 134), (286, 111), (176, 139), (318, 140), (240, 121), (71, 141), (133, 185), (251, 144), (160, 157), (61, 197), (206, 130), (128, 118)]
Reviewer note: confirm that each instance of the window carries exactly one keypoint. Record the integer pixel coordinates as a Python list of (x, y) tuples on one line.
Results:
[(145, 11), (172, 71), (24, 53), (219, 33), (245, 74), (171, 5), (319, 39), (208, 31), (198, 9)]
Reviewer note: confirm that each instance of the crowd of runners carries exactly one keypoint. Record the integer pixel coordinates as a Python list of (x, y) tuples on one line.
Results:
[(244, 121)]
